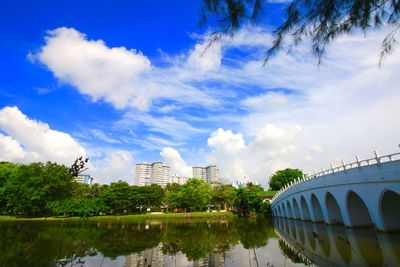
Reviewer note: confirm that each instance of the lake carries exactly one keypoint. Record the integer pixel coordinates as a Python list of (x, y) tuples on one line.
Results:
[(193, 242)]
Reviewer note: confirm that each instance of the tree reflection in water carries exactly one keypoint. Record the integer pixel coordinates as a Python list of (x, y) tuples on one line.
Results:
[(236, 242), (70, 244)]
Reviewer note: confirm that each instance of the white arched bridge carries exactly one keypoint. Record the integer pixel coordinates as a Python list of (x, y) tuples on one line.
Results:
[(363, 193)]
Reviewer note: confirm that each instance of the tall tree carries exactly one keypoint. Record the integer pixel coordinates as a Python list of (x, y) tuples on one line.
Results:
[(31, 187), (223, 196), (117, 197), (173, 196), (283, 177), (196, 195), (319, 20)]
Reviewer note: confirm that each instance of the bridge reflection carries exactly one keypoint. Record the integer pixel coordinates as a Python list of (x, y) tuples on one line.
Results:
[(336, 245)]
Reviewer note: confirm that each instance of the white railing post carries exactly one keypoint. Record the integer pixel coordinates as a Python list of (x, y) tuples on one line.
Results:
[(332, 168), (358, 161), (378, 160)]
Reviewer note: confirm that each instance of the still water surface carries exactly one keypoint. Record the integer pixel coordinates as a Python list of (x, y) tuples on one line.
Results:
[(236, 242)]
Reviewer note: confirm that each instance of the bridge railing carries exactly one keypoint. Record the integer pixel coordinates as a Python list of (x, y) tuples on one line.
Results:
[(343, 167)]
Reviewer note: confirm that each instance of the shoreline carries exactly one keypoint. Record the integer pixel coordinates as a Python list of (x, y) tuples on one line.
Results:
[(129, 217)]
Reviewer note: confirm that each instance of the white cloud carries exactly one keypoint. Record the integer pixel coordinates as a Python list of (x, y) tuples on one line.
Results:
[(206, 56), (104, 137), (10, 149), (168, 108), (227, 154), (226, 141), (175, 161), (167, 125), (346, 106), (271, 149), (267, 101), (106, 73), (296, 113), (120, 76), (31, 140), (114, 165)]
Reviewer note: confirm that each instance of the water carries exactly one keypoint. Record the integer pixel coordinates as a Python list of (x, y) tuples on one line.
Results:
[(236, 242)]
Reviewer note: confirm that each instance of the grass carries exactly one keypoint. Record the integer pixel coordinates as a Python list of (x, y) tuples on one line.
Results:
[(269, 193), (131, 217)]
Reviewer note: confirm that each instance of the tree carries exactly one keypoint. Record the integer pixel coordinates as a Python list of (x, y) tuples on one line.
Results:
[(249, 199), (6, 170), (223, 196), (150, 196), (31, 187), (320, 20), (283, 177), (195, 195), (77, 207), (117, 197), (172, 196)]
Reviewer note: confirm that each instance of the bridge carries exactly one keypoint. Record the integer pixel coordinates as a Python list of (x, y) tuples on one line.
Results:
[(364, 193), (334, 245)]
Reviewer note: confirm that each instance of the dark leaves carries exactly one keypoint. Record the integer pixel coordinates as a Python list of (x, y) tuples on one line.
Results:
[(319, 20)]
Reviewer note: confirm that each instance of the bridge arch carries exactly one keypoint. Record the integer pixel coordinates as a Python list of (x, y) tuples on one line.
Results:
[(389, 204), (296, 209), (284, 210), (279, 211), (359, 214), (333, 210), (289, 209), (304, 208), (317, 209)]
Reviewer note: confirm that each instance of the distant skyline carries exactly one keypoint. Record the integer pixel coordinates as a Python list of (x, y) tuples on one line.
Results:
[(131, 81)]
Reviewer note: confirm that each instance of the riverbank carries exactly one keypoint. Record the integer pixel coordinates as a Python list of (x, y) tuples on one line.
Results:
[(130, 217)]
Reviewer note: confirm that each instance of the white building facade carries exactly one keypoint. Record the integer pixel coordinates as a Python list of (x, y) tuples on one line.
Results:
[(208, 174), (152, 173), (84, 179)]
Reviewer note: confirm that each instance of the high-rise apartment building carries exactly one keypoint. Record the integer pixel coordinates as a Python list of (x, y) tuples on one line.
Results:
[(179, 179), (142, 174), (152, 173), (211, 174), (199, 173), (208, 174)]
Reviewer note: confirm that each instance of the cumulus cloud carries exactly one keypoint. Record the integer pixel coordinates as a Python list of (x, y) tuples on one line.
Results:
[(290, 113), (113, 165), (10, 149), (344, 106), (120, 76), (31, 140), (268, 151), (175, 161), (106, 73)]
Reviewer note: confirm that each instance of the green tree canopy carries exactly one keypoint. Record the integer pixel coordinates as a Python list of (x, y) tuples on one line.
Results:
[(320, 20), (249, 199), (117, 196), (195, 195), (29, 188), (223, 196), (283, 177), (173, 197)]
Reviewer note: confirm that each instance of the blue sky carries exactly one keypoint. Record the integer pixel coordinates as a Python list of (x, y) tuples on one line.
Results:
[(131, 81)]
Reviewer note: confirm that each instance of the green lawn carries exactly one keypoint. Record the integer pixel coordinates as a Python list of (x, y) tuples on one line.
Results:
[(269, 193), (128, 217)]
